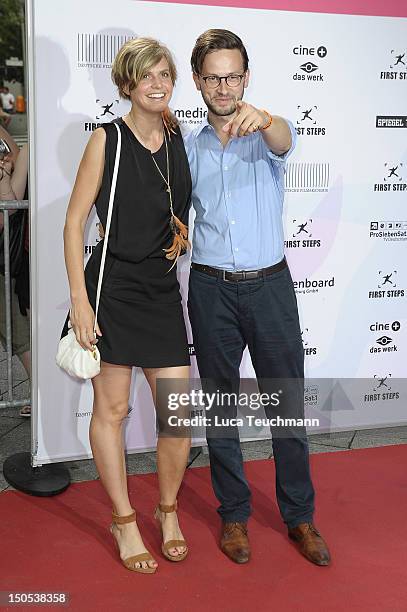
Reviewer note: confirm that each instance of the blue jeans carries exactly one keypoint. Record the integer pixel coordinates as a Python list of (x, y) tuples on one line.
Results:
[(261, 314)]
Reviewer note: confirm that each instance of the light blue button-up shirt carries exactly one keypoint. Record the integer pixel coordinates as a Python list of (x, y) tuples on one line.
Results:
[(237, 194)]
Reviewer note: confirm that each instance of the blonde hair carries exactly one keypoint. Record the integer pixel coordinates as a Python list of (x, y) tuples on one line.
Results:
[(135, 58)]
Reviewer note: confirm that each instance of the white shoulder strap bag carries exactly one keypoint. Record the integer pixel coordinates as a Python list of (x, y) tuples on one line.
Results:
[(71, 357)]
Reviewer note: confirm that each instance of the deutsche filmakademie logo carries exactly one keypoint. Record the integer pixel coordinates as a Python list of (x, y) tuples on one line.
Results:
[(397, 66), (98, 50), (307, 177), (308, 121)]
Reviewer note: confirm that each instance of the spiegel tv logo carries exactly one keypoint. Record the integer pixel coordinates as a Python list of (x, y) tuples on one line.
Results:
[(397, 69), (307, 177), (391, 121)]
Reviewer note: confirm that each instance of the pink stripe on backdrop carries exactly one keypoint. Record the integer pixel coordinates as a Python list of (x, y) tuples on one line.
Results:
[(390, 8)]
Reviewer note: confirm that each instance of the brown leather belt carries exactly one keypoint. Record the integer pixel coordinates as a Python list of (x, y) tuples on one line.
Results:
[(240, 276)]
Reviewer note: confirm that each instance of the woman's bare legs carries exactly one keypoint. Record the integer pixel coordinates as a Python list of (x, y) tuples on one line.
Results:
[(172, 455), (111, 395)]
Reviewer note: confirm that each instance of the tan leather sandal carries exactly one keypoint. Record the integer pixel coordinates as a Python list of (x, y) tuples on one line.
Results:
[(165, 547), (130, 562)]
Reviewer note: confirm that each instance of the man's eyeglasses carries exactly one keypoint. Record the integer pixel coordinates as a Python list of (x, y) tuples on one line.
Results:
[(212, 81)]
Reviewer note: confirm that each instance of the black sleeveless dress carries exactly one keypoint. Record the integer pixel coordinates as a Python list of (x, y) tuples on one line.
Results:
[(140, 311)]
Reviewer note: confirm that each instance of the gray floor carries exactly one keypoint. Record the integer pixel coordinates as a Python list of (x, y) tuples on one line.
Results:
[(15, 437)]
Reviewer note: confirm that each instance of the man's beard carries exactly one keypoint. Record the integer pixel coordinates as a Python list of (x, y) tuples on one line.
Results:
[(222, 111)]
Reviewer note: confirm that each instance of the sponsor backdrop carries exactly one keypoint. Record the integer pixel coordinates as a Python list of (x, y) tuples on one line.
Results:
[(342, 80)]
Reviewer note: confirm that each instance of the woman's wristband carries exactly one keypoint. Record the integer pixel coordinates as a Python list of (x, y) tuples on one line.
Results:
[(269, 120)]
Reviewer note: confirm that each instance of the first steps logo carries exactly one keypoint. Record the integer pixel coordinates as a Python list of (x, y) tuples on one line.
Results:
[(387, 286), (397, 68), (307, 177), (307, 123), (302, 234), (382, 390), (393, 178), (105, 112), (308, 349), (310, 70)]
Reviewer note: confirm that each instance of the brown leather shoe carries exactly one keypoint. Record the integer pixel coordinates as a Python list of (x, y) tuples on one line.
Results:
[(310, 543), (234, 542)]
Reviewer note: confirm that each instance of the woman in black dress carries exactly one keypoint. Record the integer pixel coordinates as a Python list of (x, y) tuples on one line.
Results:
[(140, 319)]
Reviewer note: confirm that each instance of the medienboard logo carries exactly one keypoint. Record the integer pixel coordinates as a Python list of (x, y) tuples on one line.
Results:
[(389, 231), (308, 122), (397, 66), (309, 67), (307, 177), (98, 50), (391, 121), (190, 116), (313, 286), (302, 235)]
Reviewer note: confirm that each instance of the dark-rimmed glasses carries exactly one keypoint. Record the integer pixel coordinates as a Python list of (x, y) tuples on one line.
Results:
[(213, 80)]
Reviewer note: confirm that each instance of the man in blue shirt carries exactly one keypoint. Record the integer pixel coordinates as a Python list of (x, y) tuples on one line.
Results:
[(240, 289)]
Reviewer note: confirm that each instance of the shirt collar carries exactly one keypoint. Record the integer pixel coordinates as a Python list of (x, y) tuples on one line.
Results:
[(205, 124)]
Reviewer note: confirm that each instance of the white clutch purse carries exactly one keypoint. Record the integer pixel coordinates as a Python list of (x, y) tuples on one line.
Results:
[(71, 357), (76, 361)]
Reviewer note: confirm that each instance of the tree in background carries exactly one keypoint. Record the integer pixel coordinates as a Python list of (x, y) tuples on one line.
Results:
[(11, 18)]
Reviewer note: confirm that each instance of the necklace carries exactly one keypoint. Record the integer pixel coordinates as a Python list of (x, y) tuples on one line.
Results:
[(178, 229), (166, 180)]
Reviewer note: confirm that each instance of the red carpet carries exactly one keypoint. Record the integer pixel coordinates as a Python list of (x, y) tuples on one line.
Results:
[(62, 544)]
